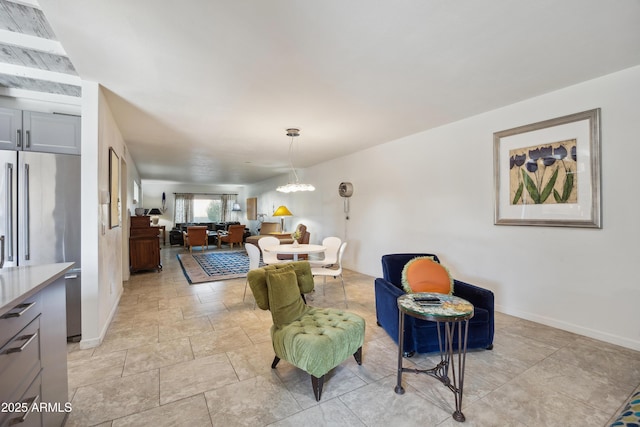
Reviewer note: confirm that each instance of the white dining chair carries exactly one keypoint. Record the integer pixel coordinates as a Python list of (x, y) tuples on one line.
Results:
[(254, 262), (330, 254), (269, 257), (333, 272)]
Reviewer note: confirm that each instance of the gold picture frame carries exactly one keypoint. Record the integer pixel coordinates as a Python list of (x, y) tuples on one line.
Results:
[(548, 173)]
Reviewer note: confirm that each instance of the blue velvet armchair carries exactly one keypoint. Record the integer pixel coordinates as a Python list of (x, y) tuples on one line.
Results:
[(421, 336)]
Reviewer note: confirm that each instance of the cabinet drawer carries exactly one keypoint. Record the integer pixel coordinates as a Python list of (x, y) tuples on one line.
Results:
[(19, 361), (18, 317), (149, 232), (32, 396)]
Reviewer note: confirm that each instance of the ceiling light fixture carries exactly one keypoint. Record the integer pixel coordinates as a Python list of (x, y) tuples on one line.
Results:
[(295, 186)]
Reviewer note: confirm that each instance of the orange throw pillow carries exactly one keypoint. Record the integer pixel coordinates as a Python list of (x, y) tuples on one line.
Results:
[(423, 274)]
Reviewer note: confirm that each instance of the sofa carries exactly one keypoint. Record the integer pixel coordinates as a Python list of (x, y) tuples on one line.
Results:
[(421, 336), (270, 229), (266, 229)]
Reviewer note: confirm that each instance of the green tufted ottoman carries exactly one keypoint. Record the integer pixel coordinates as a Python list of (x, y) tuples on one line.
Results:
[(319, 341), (315, 340)]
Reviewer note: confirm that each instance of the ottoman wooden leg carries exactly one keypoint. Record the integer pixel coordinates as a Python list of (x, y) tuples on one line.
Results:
[(275, 362), (358, 356), (317, 384)]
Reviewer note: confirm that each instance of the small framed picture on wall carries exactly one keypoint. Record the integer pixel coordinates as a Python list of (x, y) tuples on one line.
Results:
[(114, 189)]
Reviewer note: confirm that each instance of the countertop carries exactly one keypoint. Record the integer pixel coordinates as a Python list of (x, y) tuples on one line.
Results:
[(18, 283)]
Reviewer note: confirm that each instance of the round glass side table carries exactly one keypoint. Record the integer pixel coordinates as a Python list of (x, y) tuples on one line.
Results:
[(450, 313)]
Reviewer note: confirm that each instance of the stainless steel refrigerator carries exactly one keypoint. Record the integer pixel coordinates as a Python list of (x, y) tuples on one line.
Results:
[(40, 217)]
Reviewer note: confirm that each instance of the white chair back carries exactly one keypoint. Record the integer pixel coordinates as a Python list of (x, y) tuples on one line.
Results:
[(330, 254), (269, 257), (343, 246), (254, 262), (333, 246), (332, 272), (254, 256)]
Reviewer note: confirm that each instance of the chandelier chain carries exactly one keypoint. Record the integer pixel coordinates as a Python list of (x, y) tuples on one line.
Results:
[(295, 175)]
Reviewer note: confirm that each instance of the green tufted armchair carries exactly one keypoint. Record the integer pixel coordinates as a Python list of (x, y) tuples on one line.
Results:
[(313, 339)]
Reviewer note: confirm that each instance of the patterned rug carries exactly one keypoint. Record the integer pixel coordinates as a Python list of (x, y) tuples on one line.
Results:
[(211, 266)]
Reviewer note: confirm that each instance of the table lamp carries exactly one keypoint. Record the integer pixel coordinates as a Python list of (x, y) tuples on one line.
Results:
[(282, 212), (154, 215)]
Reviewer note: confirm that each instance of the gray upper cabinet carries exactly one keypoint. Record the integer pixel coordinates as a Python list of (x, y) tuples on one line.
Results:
[(10, 128), (41, 132)]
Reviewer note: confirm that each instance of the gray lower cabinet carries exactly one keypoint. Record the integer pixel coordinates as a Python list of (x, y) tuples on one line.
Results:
[(33, 360), (41, 132)]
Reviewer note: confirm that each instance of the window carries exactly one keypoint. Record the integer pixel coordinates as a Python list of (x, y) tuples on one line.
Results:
[(207, 209), (136, 192), (196, 208)]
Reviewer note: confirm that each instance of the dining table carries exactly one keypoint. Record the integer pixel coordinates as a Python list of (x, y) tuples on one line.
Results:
[(295, 250)]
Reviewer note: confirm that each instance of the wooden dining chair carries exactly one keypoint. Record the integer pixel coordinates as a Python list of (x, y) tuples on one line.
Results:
[(196, 236), (235, 234)]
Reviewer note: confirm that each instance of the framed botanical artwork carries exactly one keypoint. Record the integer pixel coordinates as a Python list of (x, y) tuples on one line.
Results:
[(114, 189), (548, 173)]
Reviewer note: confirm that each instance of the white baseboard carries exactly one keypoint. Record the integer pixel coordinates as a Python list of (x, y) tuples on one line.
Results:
[(94, 342), (570, 327)]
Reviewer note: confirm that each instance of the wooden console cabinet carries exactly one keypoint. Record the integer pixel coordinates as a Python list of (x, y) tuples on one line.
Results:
[(144, 245)]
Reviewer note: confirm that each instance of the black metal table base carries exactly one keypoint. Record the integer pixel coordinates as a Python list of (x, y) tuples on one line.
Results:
[(448, 372)]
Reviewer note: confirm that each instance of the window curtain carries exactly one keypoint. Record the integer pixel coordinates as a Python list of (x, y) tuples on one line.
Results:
[(227, 204), (183, 209)]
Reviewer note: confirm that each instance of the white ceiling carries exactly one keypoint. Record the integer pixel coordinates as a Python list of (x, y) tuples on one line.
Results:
[(203, 90)]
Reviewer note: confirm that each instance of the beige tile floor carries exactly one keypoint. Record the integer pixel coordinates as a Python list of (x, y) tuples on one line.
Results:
[(197, 355)]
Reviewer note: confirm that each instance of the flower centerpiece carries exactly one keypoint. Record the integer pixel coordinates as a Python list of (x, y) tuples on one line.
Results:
[(295, 236)]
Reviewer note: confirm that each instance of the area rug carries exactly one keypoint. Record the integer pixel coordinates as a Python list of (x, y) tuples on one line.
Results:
[(211, 266)]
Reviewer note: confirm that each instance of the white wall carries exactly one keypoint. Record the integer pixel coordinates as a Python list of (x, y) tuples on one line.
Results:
[(299, 204), (434, 192), (152, 197), (102, 247)]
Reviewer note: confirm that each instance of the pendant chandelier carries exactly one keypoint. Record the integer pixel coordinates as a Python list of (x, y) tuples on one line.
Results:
[(297, 185)]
